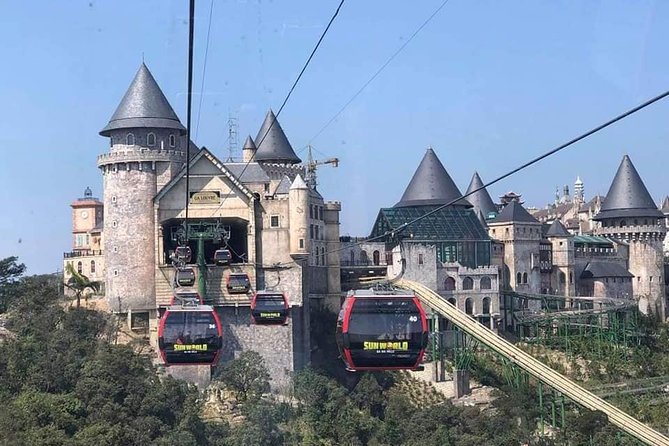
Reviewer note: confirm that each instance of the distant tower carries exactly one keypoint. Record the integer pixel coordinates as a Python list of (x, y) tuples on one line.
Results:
[(86, 222), (147, 149), (579, 191), (249, 150), (629, 215), (562, 276), (565, 194)]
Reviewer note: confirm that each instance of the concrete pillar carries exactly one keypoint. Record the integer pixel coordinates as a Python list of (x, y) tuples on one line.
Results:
[(461, 383)]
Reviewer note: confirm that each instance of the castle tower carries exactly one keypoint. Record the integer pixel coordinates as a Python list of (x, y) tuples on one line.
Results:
[(579, 191), (298, 197), (147, 149), (87, 217), (521, 235), (665, 210), (562, 276), (249, 150), (629, 215), (483, 205)]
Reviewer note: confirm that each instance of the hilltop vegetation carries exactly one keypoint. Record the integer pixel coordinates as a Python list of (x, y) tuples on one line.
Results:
[(66, 382)]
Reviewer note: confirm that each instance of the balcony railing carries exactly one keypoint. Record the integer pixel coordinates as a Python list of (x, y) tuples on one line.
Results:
[(82, 253), (361, 263)]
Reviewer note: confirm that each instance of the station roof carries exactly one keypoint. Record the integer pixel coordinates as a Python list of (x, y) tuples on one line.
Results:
[(453, 223)]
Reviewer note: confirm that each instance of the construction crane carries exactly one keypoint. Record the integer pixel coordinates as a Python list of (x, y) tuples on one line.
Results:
[(310, 176)]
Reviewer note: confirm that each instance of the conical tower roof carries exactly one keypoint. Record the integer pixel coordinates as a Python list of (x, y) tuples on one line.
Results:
[(480, 200), (144, 105), (431, 185), (557, 229), (249, 144), (273, 146), (628, 196), (665, 205)]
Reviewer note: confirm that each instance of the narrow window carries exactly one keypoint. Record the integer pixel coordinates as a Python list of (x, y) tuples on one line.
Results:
[(173, 141), (469, 306), (274, 221), (524, 277), (376, 257), (130, 139), (316, 227), (301, 243), (323, 256), (92, 266), (420, 259), (311, 211), (486, 305), (151, 139), (311, 232), (519, 278), (80, 267)]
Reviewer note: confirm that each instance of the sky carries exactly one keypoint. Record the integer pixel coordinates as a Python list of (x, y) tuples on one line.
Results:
[(487, 84)]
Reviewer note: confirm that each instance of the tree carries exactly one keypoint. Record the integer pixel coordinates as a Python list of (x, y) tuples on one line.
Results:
[(246, 376), (79, 283), (10, 272)]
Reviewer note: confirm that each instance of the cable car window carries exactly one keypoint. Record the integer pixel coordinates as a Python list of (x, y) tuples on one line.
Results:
[(238, 283), (190, 337), (269, 308)]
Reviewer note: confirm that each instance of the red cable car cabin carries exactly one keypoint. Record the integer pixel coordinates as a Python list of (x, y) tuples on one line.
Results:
[(190, 334), (381, 330), (269, 308), (237, 283)]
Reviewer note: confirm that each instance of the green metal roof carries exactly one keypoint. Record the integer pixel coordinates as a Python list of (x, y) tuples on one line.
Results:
[(448, 224), (592, 240)]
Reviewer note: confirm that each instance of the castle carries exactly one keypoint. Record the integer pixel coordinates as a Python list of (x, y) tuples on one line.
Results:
[(279, 229), (284, 235)]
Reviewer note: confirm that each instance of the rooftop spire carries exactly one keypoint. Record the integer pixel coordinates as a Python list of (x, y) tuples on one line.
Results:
[(628, 196), (143, 105), (431, 185), (249, 144), (273, 146), (480, 200)]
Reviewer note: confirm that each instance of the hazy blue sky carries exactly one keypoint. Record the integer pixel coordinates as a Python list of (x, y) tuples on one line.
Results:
[(487, 84)]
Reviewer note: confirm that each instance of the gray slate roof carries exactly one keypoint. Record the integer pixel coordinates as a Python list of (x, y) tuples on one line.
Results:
[(272, 143), (557, 229), (628, 196), (143, 105), (253, 173), (514, 212), (480, 200), (284, 185), (598, 268), (431, 185)]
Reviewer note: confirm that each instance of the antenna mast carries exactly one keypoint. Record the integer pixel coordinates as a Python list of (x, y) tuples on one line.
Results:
[(233, 140)]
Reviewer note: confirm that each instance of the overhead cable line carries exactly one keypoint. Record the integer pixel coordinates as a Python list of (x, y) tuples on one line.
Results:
[(191, 28), (374, 76), (204, 69), (557, 149), (283, 104)]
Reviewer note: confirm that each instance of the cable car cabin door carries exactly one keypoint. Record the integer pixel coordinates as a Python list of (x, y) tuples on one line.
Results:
[(190, 337), (386, 333), (269, 309)]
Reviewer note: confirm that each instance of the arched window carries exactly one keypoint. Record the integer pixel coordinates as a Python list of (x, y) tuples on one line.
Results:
[(92, 266), (80, 267), (449, 284), (563, 278), (363, 257), (486, 305), (453, 302), (352, 257), (571, 277), (130, 139), (173, 141), (469, 306), (151, 139), (519, 278), (376, 256), (467, 283), (524, 277), (486, 283)]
